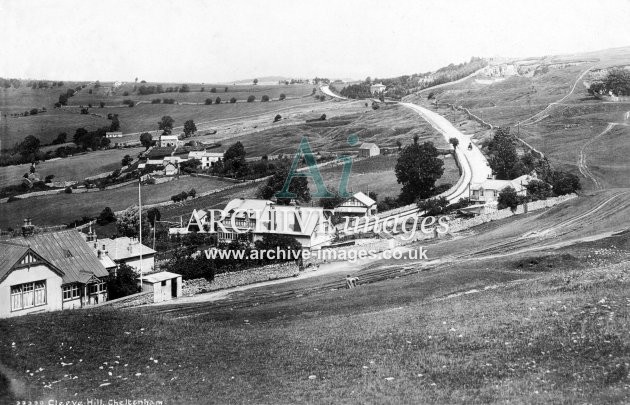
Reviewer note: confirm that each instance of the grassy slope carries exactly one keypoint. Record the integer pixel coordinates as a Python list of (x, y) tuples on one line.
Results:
[(73, 168), (63, 208), (548, 339), (518, 98)]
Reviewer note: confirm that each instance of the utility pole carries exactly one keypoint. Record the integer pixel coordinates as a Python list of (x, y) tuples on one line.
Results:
[(140, 222)]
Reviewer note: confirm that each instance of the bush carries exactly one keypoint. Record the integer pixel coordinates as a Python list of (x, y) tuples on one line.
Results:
[(129, 103), (208, 101), (156, 101), (123, 283), (106, 216), (217, 100), (68, 190), (564, 183), (507, 199), (277, 118), (282, 96), (264, 98), (251, 98), (233, 100)]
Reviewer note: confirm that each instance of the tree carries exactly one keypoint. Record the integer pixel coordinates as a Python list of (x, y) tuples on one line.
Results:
[(115, 125), (251, 98), (454, 141), (184, 88), (235, 151), (122, 283), (507, 198), (331, 203), (564, 183), (213, 90), (503, 155), (208, 101), (225, 90), (417, 169), (63, 99), (282, 96), (146, 139), (399, 145), (126, 160), (189, 128), (277, 118), (29, 145), (264, 98), (255, 81), (217, 100), (127, 223), (233, 100), (538, 190), (284, 243), (166, 124), (433, 206), (106, 216), (153, 215), (192, 193), (298, 186)]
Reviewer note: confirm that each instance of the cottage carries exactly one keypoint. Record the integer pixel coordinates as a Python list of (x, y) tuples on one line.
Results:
[(49, 272), (357, 205), (207, 159), (125, 250), (369, 149), (488, 190)]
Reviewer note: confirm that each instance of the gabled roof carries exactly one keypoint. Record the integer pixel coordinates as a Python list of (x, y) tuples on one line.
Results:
[(11, 254), (364, 199), (67, 251)]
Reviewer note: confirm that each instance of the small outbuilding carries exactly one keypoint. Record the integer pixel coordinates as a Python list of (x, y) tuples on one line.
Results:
[(165, 285), (369, 149)]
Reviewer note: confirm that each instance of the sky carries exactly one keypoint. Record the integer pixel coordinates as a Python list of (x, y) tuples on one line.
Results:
[(226, 40)]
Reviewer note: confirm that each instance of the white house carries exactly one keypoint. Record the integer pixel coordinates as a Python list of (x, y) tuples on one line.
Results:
[(369, 149), (377, 88), (127, 250), (357, 205), (164, 285), (488, 190), (207, 159), (49, 272), (169, 140), (256, 218)]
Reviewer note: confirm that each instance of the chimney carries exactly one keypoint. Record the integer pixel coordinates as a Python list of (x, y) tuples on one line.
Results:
[(98, 254), (27, 229)]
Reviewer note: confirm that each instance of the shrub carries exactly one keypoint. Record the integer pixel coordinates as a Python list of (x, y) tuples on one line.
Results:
[(233, 100), (217, 100), (251, 98), (507, 199), (264, 98), (277, 118), (128, 102), (282, 96), (124, 282), (208, 101), (156, 101), (68, 190)]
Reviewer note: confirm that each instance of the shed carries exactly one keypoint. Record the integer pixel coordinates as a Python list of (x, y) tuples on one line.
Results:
[(165, 285), (368, 149)]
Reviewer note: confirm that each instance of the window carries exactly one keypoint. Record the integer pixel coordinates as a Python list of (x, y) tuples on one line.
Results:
[(97, 287), (28, 295), (70, 291)]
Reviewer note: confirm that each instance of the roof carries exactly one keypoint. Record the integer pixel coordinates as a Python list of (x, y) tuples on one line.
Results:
[(67, 251), (160, 152), (9, 255), (491, 184), (125, 248), (169, 138), (367, 145), (364, 199), (159, 277)]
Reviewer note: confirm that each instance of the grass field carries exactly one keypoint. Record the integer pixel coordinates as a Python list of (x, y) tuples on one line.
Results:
[(64, 208), (72, 168), (559, 336)]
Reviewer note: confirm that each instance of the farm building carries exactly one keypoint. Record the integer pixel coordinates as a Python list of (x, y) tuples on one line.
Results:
[(488, 191), (128, 251), (169, 141), (164, 285), (49, 272), (369, 149), (357, 205)]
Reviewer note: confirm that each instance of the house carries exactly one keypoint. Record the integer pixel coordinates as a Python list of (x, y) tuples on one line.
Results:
[(49, 272), (169, 141), (164, 285), (357, 205), (207, 159), (369, 149), (113, 134), (125, 250), (249, 220), (378, 88), (488, 190)]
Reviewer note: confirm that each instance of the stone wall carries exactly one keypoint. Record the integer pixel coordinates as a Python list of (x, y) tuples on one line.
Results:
[(238, 278), (133, 300)]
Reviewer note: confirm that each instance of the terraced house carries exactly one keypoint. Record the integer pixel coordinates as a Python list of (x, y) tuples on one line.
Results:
[(49, 272)]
